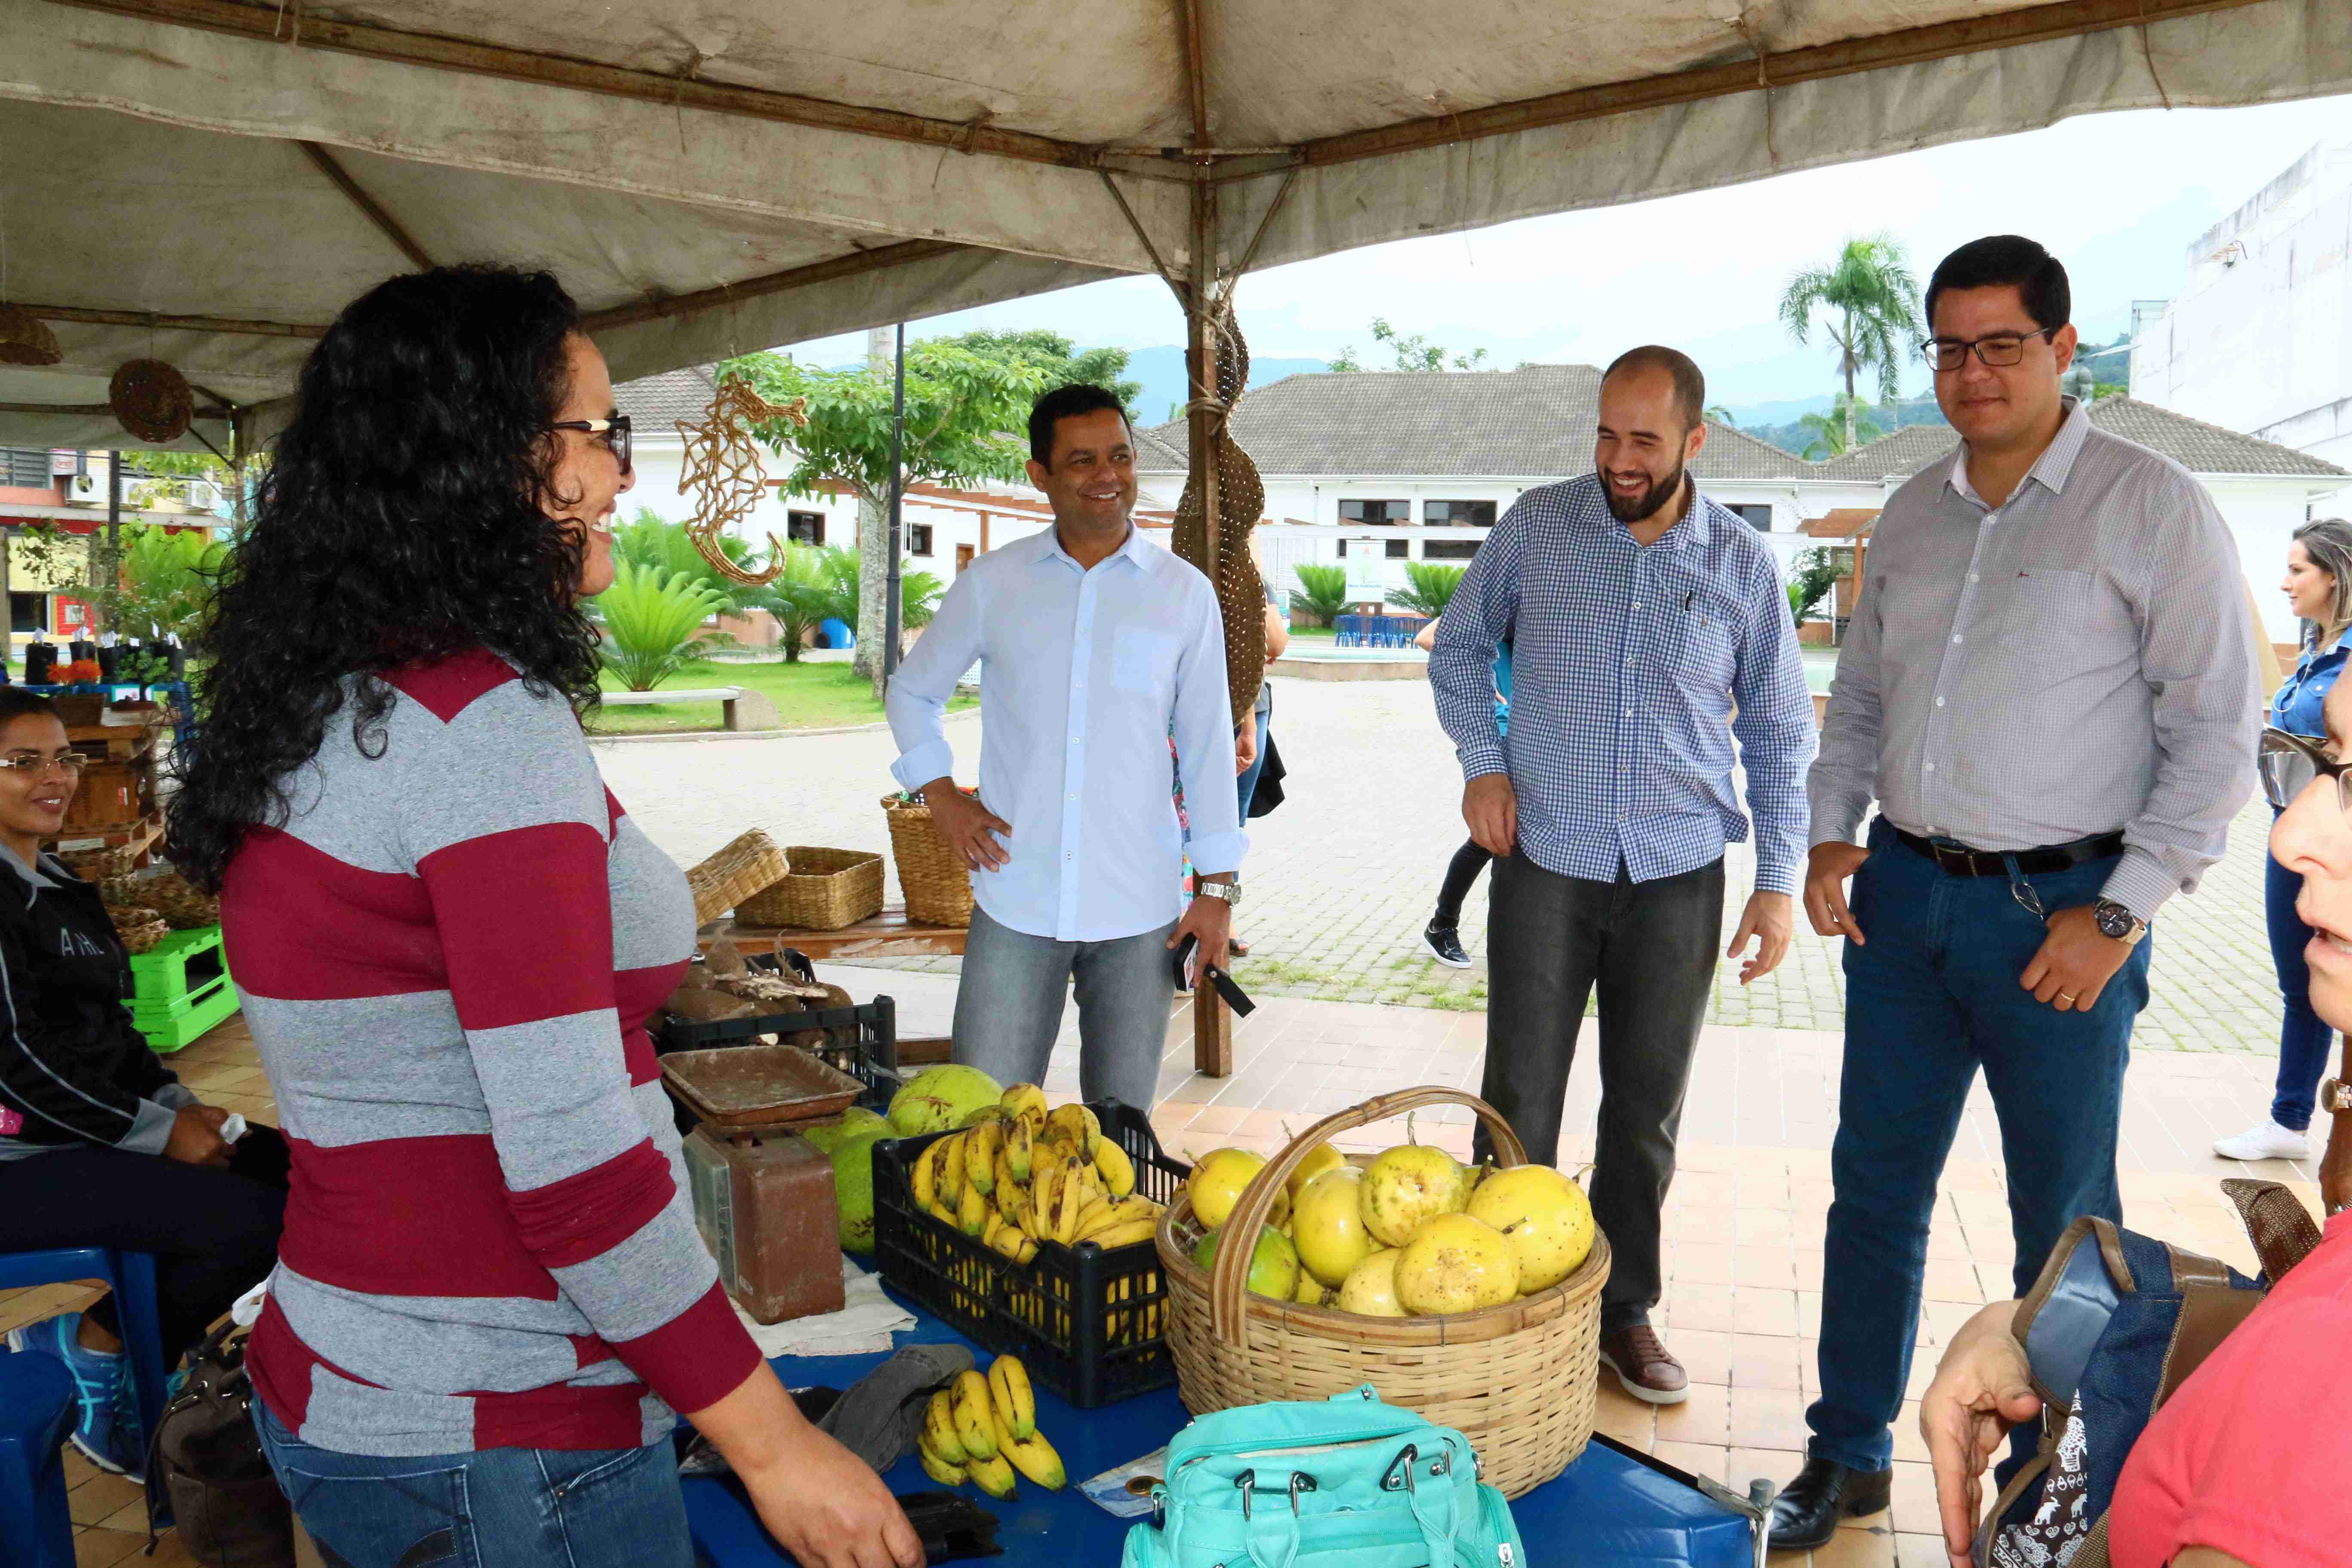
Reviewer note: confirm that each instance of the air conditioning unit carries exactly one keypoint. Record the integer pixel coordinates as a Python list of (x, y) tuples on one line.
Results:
[(86, 487), (203, 495)]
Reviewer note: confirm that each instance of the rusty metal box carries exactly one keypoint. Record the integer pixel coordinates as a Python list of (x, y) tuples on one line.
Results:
[(763, 1202)]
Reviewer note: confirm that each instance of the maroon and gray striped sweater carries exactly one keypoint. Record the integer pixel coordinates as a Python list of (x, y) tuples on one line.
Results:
[(448, 955)]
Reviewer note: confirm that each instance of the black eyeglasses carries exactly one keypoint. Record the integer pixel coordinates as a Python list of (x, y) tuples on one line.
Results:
[(2000, 350), (613, 433), (2289, 762)]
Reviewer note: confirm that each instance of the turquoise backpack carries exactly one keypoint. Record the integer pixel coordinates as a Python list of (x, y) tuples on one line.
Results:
[(1350, 1481)]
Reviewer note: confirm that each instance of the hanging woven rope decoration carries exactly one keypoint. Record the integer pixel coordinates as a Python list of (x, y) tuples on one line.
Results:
[(1240, 500), (25, 339), (724, 475), (152, 400)]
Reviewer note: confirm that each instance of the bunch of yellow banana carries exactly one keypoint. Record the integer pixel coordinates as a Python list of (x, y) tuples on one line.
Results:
[(1021, 1174), (983, 1429)]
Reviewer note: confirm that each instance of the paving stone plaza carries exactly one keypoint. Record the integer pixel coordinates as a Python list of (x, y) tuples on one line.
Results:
[(1342, 877)]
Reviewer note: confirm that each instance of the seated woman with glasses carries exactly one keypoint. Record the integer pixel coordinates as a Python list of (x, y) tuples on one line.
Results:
[(100, 1144), (491, 1302), (2245, 1462)]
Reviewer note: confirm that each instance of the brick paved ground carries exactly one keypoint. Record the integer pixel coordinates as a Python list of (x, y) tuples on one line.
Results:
[(1342, 878)]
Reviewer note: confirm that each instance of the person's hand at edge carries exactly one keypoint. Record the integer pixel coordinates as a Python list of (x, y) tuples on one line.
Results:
[(1771, 918), (1981, 1389), (823, 1504), (1245, 745), (1210, 921), (2074, 962), (195, 1137), (968, 828), (1491, 807), (1826, 871)]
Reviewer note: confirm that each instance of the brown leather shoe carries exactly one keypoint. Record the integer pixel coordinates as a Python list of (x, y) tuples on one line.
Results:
[(1639, 1359)]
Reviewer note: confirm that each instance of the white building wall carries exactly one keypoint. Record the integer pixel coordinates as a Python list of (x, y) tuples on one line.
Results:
[(2260, 337)]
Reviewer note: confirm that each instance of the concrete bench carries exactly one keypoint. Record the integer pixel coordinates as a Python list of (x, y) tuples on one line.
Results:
[(743, 707)]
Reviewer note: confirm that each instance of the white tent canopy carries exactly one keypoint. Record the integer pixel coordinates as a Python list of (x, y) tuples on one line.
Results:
[(208, 181)]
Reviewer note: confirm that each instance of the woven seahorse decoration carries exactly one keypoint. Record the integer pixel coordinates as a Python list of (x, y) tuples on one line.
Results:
[(724, 475), (1240, 500)]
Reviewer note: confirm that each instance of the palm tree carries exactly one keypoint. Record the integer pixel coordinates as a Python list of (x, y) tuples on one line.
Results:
[(1846, 426), (1870, 294)]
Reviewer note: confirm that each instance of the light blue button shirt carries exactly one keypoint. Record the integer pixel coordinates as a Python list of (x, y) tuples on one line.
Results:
[(1085, 676)]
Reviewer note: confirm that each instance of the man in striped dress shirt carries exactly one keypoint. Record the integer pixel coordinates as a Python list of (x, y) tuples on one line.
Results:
[(2048, 690), (1649, 628)]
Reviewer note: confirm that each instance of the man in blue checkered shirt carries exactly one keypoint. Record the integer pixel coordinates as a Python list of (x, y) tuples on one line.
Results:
[(1649, 627)]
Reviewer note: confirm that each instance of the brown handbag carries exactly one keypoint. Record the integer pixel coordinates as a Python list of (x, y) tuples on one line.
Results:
[(207, 1472)]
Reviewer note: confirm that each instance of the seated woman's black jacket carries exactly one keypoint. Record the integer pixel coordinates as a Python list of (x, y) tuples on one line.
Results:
[(73, 1067)]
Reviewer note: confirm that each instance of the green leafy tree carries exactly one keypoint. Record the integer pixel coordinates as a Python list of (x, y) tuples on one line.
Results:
[(1062, 362), (1324, 590), (1870, 299), (1414, 351), (919, 593), (963, 410), (801, 596), (652, 540), (1429, 586), (1849, 422), (650, 622), (167, 580), (1812, 575)]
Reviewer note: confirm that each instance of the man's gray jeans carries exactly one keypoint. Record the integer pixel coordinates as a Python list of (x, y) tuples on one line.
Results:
[(1009, 1007)]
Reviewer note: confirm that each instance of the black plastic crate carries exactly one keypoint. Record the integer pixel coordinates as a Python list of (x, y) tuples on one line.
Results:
[(1089, 1325), (862, 1041)]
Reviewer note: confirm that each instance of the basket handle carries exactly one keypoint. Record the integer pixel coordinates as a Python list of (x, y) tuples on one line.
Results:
[(1229, 1279)]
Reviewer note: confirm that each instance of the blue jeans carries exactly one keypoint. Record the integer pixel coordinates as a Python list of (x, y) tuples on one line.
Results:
[(2304, 1036), (1009, 1007), (1248, 779), (1932, 995), (499, 1508)]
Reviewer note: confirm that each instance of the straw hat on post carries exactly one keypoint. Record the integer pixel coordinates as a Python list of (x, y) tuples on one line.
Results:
[(25, 339), (152, 400)]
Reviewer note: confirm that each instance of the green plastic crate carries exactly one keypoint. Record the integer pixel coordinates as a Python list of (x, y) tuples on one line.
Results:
[(180, 1024), (182, 965)]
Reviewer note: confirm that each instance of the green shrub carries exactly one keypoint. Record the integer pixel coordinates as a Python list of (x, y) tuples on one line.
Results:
[(1811, 576), (650, 622), (1429, 587), (1326, 590), (800, 599), (665, 546)]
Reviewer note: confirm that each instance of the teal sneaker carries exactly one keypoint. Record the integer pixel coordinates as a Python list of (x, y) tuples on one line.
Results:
[(105, 1430)]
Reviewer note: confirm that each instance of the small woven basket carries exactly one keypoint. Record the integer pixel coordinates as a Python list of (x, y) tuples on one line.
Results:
[(748, 864), (938, 885), (1520, 1380), (182, 906), (25, 339), (152, 400), (139, 929), (100, 865), (828, 888)]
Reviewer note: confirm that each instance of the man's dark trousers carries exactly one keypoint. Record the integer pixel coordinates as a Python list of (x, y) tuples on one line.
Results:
[(1932, 995), (1650, 947)]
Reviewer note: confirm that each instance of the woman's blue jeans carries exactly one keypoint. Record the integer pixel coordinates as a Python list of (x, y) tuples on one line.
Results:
[(2304, 1037), (497, 1507)]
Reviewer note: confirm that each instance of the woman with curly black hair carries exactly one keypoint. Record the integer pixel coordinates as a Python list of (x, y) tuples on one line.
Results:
[(490, 1295)]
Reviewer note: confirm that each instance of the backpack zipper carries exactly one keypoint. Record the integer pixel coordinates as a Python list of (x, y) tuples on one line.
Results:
[(1232, 1450)]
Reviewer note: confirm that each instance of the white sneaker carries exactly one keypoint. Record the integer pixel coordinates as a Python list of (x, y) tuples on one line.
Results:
[(2267, 1141)]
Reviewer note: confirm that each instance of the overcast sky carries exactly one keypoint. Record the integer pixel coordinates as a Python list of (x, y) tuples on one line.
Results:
[(2119, 197)]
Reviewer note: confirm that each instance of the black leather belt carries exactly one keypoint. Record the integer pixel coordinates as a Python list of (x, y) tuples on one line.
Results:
[(1959, 861)]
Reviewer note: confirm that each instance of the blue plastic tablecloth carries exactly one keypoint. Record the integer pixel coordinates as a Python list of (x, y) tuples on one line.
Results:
[(1605, 1511)]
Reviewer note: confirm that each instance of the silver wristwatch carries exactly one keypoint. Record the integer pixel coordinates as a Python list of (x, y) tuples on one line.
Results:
[(1229, 893), (2336, 1096)]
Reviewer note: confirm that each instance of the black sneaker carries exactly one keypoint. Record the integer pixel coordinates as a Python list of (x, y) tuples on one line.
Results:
[(1445, 944)]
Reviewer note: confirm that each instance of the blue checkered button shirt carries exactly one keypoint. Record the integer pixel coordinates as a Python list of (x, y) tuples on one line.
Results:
[(1627, 664)]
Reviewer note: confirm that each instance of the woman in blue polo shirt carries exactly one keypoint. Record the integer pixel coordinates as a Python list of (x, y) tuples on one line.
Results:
[(2318, 586)]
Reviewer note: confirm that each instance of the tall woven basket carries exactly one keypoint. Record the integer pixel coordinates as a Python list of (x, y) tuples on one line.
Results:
[(938, 885), (1520, 1380)]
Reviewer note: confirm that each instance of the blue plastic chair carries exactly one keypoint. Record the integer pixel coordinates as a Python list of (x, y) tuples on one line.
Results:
[(36, 1411), (132, 1277)]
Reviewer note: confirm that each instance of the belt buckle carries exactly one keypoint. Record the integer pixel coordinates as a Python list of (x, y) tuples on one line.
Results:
[(1953, 859)]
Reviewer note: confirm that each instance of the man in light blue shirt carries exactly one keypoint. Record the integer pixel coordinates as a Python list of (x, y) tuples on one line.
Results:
[(1098, 650)]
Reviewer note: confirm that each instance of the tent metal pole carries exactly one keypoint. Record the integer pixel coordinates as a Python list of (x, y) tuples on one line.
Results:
[(890, 579)]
